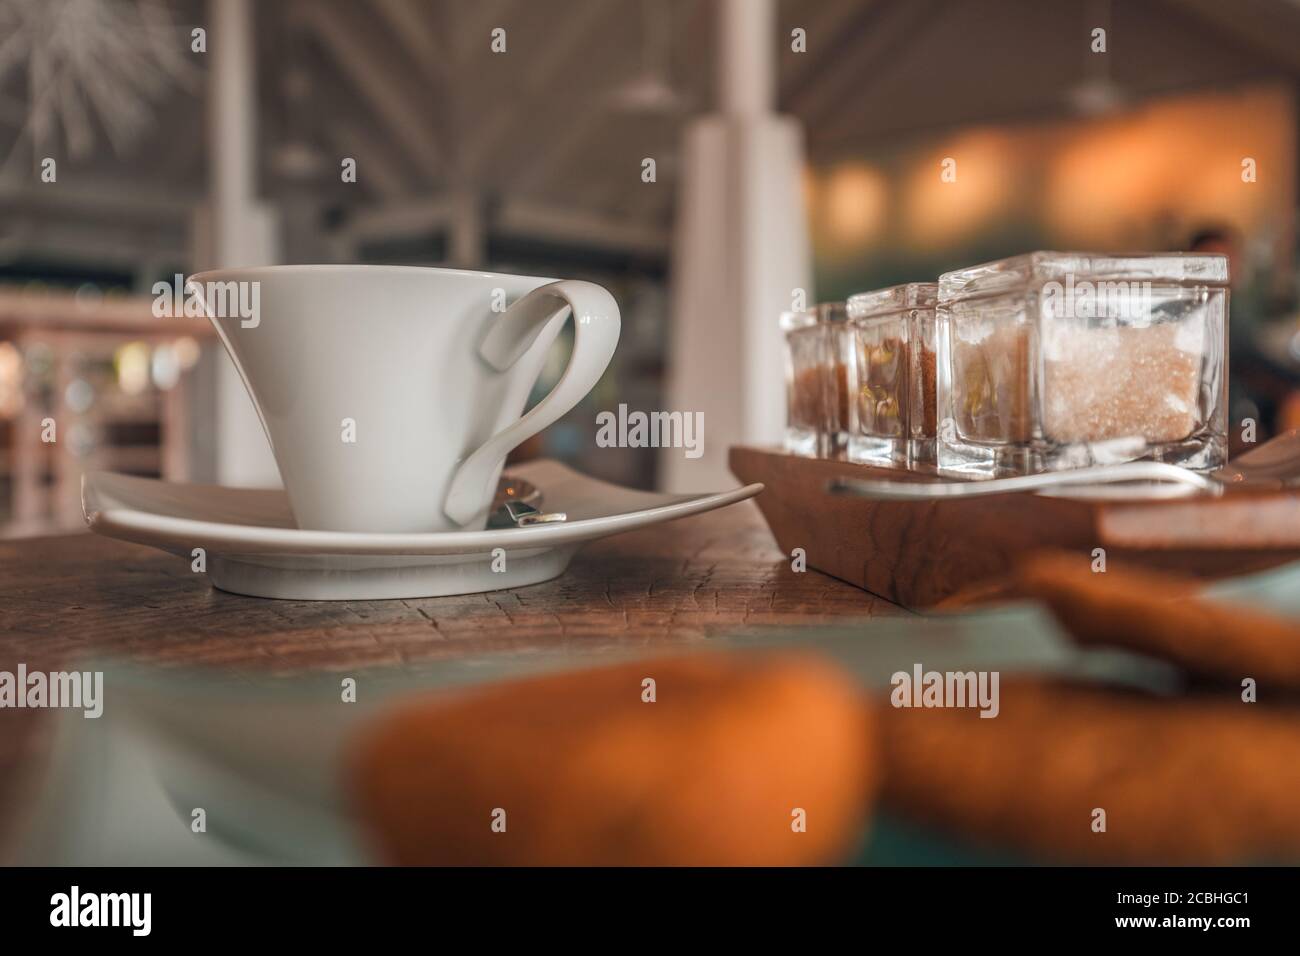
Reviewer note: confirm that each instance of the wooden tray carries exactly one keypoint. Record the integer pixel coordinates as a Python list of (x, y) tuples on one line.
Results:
[(919, 552)]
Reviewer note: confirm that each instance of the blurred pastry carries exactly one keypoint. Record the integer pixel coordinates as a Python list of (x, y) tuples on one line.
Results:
[(1183, 781), (739, 760), (1159, 614)]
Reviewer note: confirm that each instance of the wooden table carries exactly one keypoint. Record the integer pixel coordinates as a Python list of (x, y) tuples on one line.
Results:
[(76, 595)]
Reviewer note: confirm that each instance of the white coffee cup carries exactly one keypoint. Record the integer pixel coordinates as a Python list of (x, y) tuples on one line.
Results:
[(426, 371)]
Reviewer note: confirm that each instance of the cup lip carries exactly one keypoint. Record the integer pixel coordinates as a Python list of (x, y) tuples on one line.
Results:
[(362, 268)]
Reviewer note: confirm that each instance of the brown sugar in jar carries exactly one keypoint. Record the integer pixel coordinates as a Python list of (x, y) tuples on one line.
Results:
[(841, 378), (820, 381), (806, 358), (1062, 360), (894, 331)]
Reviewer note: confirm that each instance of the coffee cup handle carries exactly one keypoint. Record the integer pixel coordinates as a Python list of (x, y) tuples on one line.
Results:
[(596, 327)]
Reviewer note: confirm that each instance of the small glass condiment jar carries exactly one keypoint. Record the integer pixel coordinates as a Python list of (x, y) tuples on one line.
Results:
[(895, 354), (807, 356), (819, 377), (841, 379), (1061, 360)]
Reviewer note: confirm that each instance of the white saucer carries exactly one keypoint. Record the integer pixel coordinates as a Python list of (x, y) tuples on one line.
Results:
[(252, 546)]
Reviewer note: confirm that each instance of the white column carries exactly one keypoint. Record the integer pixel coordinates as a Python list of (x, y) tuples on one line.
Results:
[(240, 232), (740, 251), (232, 126), (746, 41)]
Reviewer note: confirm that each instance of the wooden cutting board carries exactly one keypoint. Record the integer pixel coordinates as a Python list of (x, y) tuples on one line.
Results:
[(919, 552)]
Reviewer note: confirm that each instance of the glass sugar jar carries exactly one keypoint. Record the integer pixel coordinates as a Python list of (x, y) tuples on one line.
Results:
[(895, 354), (807, 358), (841, 378), (819, 381), (1061, 360)]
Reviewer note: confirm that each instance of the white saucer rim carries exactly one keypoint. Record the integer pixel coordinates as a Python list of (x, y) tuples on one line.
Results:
[(230, 537)]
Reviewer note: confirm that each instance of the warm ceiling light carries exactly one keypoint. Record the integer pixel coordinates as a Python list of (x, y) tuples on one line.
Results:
[(853, 204), (943, 210)]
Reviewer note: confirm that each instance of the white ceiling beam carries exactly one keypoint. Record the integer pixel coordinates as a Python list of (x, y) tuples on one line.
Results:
[(848, 117), (877, 27), (475, 31), (411, 25), (532, 169), (392, 97), (562, 50), (416, 25)]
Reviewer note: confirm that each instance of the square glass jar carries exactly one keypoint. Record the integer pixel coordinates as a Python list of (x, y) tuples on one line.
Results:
[(894, 335), (807, 359), (1056, 360), (841, 379)]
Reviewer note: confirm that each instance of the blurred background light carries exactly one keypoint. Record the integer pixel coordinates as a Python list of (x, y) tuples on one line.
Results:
[(131, 363)]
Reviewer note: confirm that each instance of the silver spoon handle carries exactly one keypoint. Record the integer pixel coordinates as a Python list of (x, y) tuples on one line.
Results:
[(1099, 475), (524, 515)]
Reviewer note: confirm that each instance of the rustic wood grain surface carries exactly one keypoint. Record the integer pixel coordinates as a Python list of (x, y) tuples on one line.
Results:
[(688, 580), (79, 596)]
